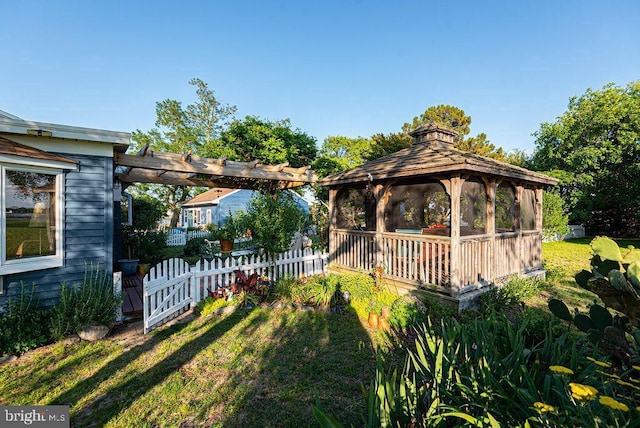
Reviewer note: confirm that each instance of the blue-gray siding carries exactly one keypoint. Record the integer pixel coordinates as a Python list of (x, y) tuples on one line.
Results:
[(88, 235)]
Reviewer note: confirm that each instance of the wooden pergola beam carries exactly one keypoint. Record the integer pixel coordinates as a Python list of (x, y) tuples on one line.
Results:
[(188, 170)]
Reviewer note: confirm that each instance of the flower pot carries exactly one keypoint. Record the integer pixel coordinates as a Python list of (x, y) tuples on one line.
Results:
[(144, 268), (383, 324), (386, 312), (128, 266), (226, 245), (373, 319)]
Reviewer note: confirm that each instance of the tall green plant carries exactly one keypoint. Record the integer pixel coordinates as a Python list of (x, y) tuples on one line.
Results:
[(273, 219), (81, 305), (25, 325)]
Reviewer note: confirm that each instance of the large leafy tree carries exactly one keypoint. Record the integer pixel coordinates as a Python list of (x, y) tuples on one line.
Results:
[(594, 149), (271, 142), (194, 128)]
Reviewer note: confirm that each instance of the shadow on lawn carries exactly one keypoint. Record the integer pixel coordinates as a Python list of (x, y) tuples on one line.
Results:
[(118, 397), (257, 368)]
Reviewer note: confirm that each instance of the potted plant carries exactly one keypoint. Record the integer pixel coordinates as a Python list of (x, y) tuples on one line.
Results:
[(129, 266), (226, 233)]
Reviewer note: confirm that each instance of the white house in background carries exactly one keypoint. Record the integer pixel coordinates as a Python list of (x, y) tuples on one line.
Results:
[(215, 205)]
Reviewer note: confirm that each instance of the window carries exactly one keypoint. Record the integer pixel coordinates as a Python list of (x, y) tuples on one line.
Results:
[(31, 224), (528, 209), (505, 208)]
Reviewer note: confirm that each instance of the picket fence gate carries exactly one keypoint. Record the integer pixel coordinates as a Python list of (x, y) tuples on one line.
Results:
[(172, 287)]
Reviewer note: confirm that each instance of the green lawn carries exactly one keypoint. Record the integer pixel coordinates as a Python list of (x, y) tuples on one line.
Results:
[(563, 260), (258, 368)]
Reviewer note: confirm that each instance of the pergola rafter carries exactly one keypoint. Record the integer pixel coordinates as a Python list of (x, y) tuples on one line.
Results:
[(149, 166)]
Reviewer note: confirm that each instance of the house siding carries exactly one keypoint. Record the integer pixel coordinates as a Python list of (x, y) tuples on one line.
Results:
[(88, 231)]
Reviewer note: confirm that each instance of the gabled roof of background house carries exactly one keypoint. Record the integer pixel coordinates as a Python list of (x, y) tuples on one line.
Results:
[(210, 197), (11, 148), (11, 124), (432, 153)]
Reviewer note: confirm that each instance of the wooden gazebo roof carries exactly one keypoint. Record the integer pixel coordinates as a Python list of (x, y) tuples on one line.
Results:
[(432, 153), (149, 166)]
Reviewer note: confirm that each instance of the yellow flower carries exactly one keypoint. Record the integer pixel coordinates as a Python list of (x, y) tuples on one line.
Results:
[(583, 392), (636, 367), (560, 370), (611, 403), (600, 363), (542, 407)]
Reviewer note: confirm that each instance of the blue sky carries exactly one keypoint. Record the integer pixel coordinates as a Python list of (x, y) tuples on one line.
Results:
[(351, 68)]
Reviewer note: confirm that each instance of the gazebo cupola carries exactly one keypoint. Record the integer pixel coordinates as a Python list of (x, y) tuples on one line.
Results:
[(437, 218)]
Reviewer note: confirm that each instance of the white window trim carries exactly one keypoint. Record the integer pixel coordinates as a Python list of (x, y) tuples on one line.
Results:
[(34, 263)]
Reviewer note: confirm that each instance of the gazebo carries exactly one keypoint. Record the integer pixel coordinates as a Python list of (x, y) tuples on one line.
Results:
[(434, 218)]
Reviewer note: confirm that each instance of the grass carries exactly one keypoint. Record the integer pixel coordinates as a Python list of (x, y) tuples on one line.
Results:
[(563, 260), (258, 368)]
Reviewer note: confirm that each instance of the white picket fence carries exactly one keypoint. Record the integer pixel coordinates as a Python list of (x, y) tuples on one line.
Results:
[(176, 237), (172, 287)]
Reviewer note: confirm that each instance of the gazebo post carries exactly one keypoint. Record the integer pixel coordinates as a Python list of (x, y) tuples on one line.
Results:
[(380, 192), (539, 193), (518, 227), (490, 224), (333, 192), (455, 191)]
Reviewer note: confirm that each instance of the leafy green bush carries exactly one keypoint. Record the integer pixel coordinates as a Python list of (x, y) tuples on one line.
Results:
[(195, 247), (273, 219), (24, 326), (150, 247), (288, 289), (360, 286), (405, 313), (81, 305), (517, 290)]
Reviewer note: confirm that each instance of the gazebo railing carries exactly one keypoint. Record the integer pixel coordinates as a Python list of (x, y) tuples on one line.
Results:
[(425, 260), (354, 249), (475, 259), (418, 258)]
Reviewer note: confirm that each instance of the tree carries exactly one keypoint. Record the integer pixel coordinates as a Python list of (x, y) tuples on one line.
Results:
[(445, 115), (270, 142), (192, 129), (595, 147), (385, 144), (554, 219), (456, 119), (273, 220)]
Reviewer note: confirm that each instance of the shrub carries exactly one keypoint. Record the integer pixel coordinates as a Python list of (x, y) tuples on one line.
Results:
[(210, 305), (288, 289), (81, 305), (517, 290), (405, 313), (195, 247), (360, 286), (24, 326), (151, 245), (322, 290)]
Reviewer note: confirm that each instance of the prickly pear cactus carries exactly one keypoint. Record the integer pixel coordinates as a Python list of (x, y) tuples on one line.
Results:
[(614, 277)]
